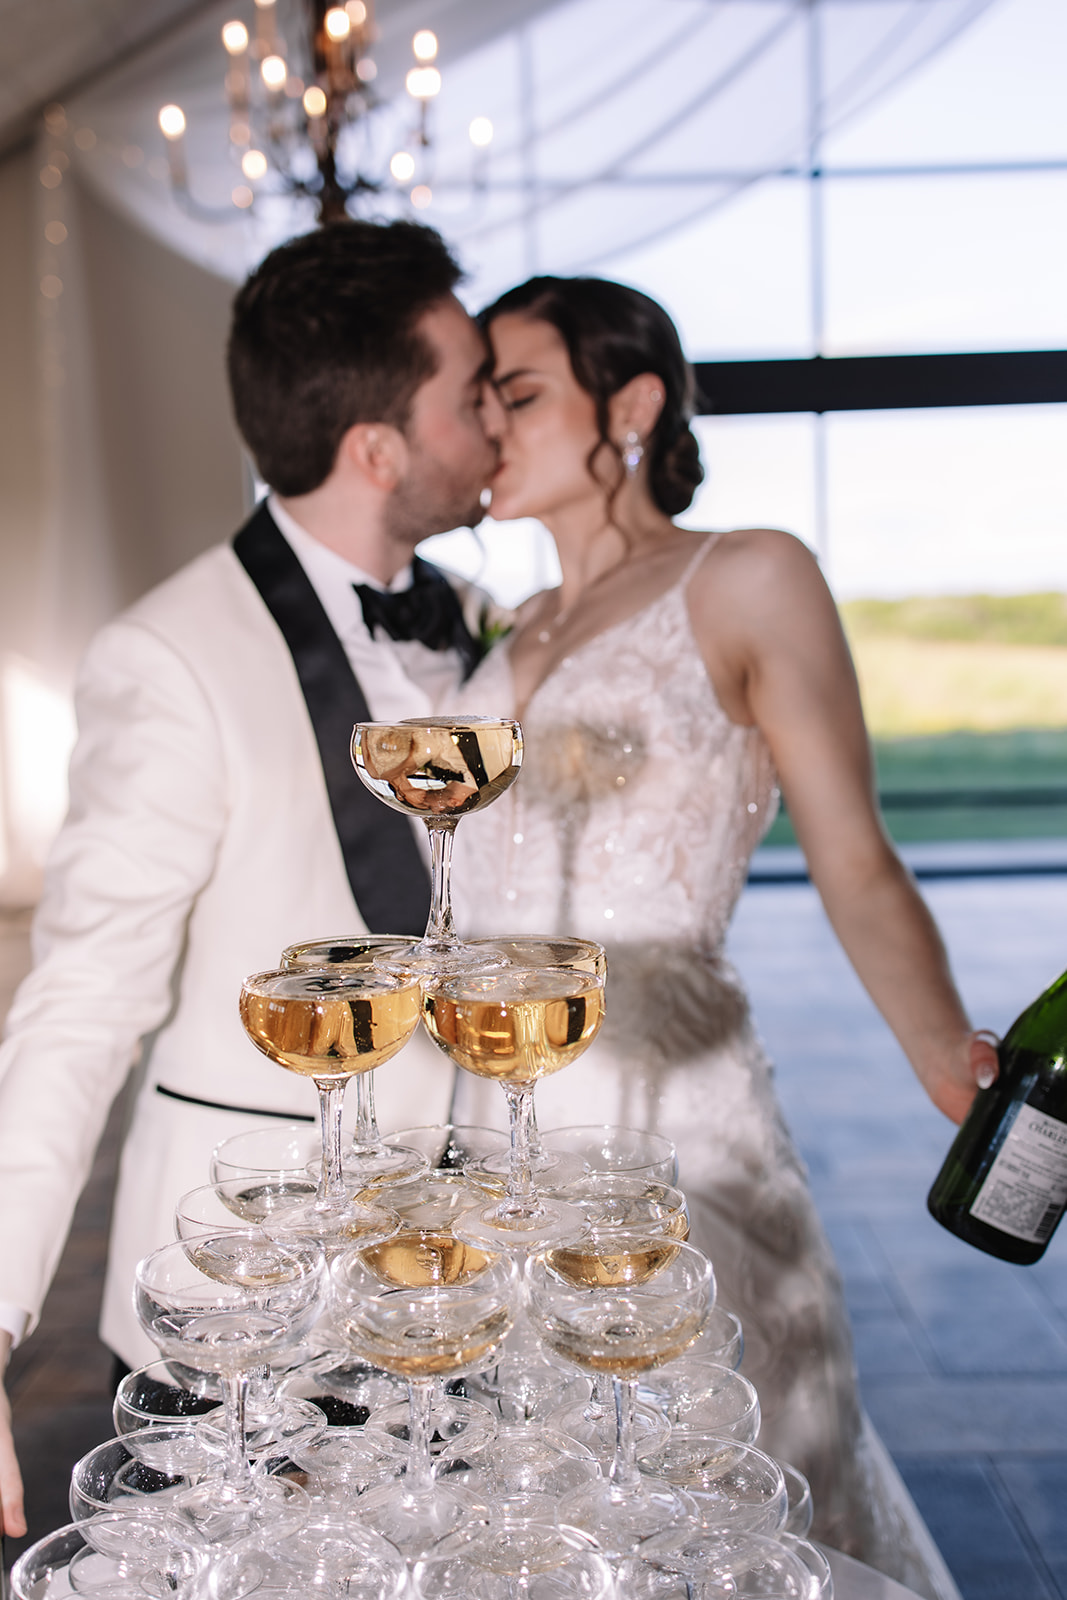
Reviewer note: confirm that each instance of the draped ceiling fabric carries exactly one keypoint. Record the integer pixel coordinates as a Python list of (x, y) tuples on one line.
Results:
[(616, 122)]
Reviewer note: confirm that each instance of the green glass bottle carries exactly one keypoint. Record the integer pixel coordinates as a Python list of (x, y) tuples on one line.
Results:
[(1003, 1186)]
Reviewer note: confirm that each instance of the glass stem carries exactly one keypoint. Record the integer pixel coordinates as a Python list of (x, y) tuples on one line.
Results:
[(366, 1135), (234, 1396), (520, 1195), (331, 1104), (602, 1399), (261, 1400), (420, 1461), (439, 928), (624, 1470)]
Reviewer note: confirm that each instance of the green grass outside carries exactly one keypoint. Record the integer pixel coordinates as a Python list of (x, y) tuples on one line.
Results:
[(1020, 758), (963, 639), (1028, 619)]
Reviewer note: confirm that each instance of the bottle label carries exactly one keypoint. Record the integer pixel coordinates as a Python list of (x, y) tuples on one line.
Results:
[(1025, 1189)]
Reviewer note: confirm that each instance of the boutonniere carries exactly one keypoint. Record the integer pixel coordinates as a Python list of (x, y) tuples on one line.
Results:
[(487, 621)]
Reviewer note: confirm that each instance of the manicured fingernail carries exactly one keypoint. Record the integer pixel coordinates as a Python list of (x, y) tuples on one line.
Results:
[(986, 1077)]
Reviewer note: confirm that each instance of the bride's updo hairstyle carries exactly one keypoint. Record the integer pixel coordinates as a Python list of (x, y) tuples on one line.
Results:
[(613, 334)]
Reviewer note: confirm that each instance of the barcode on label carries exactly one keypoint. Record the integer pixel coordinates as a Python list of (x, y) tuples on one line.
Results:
[(1025, 1189)]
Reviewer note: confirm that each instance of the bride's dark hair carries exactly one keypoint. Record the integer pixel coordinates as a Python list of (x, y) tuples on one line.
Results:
[(613, 333)]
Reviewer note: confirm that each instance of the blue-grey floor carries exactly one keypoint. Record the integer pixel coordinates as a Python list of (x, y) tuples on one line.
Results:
[(962, 1358)]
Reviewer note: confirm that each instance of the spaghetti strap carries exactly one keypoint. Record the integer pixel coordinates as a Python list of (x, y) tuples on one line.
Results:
[(694, 561)]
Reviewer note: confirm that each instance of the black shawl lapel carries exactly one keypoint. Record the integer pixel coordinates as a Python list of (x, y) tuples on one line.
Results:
[(389, 880)]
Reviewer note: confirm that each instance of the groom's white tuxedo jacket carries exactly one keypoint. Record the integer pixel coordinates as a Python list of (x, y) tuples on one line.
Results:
[(200, 841)]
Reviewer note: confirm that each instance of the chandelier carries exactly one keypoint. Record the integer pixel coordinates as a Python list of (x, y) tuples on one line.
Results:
[(301, 113)]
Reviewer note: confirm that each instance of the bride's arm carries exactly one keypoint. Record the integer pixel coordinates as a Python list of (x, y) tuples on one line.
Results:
[(774, 647)]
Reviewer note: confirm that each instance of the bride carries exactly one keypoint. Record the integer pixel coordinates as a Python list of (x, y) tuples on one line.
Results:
[(667, 688)]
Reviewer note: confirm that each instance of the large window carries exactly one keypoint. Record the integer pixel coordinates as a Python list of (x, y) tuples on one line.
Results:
[(936, 223)]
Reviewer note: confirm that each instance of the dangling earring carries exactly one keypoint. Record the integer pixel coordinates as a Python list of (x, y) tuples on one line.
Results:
[(632, 452)]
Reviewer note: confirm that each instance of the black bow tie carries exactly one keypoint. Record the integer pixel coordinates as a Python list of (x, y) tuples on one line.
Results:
[(429, 611)]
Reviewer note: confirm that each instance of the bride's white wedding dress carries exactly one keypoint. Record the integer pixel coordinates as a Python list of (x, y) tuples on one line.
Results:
[(632, 822)]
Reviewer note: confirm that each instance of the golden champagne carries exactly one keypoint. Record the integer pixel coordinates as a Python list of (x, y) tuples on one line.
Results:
[(421, 1339), (329, 1024), (515, 1026), (622, 1335), (417, 1259), (441, 766), (225, 1258), (612, 1261)]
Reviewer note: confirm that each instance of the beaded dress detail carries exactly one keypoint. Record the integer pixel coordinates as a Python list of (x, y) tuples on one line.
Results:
[(632, 822)]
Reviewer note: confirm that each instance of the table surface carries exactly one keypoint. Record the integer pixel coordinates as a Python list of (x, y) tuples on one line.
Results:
[(854, 1581)]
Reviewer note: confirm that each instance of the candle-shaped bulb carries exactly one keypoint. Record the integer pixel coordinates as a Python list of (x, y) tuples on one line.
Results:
[(172, 122), (235, 38)]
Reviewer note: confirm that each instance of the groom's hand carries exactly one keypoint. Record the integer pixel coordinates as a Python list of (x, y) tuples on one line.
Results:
[(12, 1519)]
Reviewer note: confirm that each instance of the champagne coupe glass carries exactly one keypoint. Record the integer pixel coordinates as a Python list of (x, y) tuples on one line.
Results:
[(517, 1024), (161, 1393), (229, 1303), (147, 1468), (271, 1149), (693, 1393), (712, 1564), (523, 1561), (278, 1204), (367, 1158), (439, 769), (653, 1306), (330, 1557), (557, 1166), (610, 1148), (425, 1252), (615, 1203), (722, 1339), (121, 1554), (330, 1024), (735, 1487), (801, 1508), (41, 1571), (441, 1328)]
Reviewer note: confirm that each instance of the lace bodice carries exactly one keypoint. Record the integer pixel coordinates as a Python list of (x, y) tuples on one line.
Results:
[(639, 802)]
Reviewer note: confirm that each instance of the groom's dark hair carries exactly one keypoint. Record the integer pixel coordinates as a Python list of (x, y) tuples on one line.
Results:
[(324, 336)]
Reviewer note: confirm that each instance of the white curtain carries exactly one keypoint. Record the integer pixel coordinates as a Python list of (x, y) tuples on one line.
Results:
[(615, 121)]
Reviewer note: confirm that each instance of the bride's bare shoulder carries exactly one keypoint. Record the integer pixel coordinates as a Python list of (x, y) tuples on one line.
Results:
[(754, 559)]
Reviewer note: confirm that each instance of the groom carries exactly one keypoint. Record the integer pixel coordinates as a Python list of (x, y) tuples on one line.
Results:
[(214, 814)]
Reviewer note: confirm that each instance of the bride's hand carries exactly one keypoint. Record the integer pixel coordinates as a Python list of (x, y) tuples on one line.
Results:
[(12, 1520), (984, 1060), (973, 1065)]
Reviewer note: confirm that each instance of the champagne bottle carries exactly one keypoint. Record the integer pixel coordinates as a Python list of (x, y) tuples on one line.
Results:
[(1003, 1186)]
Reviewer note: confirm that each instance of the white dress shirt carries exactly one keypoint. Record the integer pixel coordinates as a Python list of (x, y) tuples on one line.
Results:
[(386, 668)]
